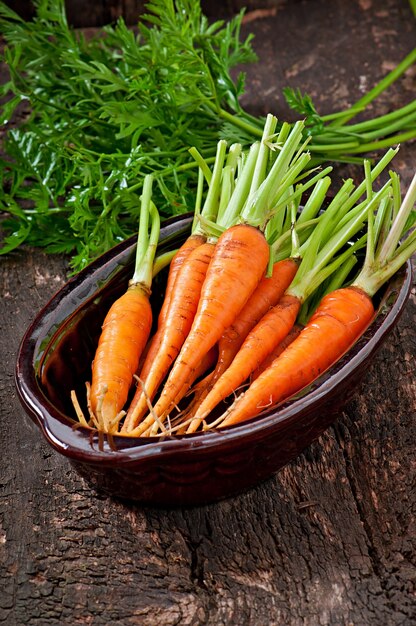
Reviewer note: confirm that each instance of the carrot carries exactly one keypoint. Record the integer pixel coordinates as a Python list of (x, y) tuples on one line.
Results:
[(193, 241), (125, 330), (273, 328), (178, 260), (124, 334), (183, 305), (267, 294), (291, 336), (337, 280), (239, 262), (204, 365), (341, 317)]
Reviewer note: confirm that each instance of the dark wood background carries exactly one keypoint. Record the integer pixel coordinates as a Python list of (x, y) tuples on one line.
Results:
[(331, 539), (84, 13)]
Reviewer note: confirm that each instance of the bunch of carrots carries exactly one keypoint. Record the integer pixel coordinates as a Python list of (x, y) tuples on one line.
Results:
[(260, 299)]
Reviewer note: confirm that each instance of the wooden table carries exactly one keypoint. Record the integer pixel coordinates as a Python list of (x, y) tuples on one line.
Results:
[(329, 540)]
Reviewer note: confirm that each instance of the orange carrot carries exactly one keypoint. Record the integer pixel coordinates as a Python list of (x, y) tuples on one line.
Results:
[(124, 334), (207, 362), (291, 336), (125, 330), (266, 335), (267, 294), (183, 305), (239, 262), (337, 281), (337, 323), (192, 242)]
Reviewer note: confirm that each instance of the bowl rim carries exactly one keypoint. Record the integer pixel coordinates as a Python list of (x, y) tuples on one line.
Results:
[(82, 444)]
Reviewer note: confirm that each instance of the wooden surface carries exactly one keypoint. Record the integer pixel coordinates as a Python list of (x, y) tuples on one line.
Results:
[(90, 13), (331, 539)]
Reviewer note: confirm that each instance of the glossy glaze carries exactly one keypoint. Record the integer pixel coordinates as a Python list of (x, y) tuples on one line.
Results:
[(55, 356)]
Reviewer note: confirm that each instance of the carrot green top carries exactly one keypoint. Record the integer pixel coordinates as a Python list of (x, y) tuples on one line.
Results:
[(385, 252), (146, 242)]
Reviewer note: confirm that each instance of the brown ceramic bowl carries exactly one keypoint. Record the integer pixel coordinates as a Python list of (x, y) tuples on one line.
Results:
[(55, 356)]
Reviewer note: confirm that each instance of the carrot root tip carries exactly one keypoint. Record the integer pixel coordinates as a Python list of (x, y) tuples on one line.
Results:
[(114, 424), (79, 412), (154, 415)]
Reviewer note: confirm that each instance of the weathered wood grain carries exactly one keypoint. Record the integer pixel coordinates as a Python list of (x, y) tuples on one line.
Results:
[(92, 13), (330, 540)]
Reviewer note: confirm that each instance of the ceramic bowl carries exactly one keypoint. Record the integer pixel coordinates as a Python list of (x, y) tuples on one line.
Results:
[(55, 356)]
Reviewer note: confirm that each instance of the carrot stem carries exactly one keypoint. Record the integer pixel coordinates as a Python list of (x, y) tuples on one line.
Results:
[(259, 173), (397, 196), (162, 261), (397, 229), (198, 199), (379, 122), (302, 187), (262, 199), (202, 164), (146, 244), (372, 146), (370, 215), (371, 95), (144, 220), (386, 261), (242, 188), (328, 237), (228, 179), (282, 246), (315, 201), (210, 209)]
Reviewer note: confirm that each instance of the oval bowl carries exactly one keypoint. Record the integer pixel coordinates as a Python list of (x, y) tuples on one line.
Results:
[(55, 356)]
